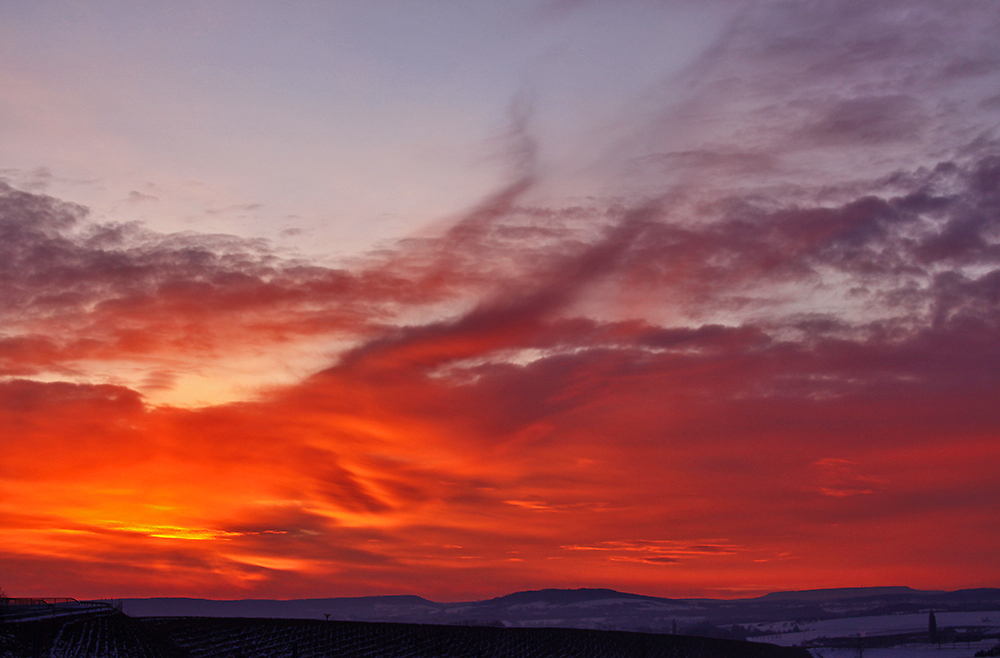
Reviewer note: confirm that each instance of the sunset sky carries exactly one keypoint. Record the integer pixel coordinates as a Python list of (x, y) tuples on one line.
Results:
[(675, 297)]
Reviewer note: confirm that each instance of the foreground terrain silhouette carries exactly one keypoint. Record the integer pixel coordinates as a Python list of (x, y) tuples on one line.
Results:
[(114, 634)]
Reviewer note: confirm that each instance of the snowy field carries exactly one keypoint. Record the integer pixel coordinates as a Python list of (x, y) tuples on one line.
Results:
[(960, 650), (880, 625)]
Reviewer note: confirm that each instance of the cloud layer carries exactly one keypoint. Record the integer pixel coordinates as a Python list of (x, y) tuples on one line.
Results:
[(772, 362)]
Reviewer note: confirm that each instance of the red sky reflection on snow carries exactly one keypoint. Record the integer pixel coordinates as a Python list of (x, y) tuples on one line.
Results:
[(751, 380)]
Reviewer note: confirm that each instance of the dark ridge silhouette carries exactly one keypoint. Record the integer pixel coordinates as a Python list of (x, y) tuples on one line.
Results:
[(842, 593), (569, 596), (253, 638), (587, 608), (93, 636), (118, 635), (371, 608)]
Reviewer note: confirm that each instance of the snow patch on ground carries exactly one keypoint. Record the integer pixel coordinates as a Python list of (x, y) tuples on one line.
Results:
[(880, 625), (960, 650)]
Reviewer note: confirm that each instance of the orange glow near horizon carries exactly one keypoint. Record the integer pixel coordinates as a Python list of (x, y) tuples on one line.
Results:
[(357, 483)]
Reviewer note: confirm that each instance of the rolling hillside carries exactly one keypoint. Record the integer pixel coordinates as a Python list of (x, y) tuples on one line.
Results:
[(119, 636)]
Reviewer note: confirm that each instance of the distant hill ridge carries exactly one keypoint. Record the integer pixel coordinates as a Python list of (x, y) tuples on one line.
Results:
[(568, 596), (843, 593), (588, 608)]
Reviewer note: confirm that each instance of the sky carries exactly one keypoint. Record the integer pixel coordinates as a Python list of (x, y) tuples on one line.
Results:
[(317, 299)]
